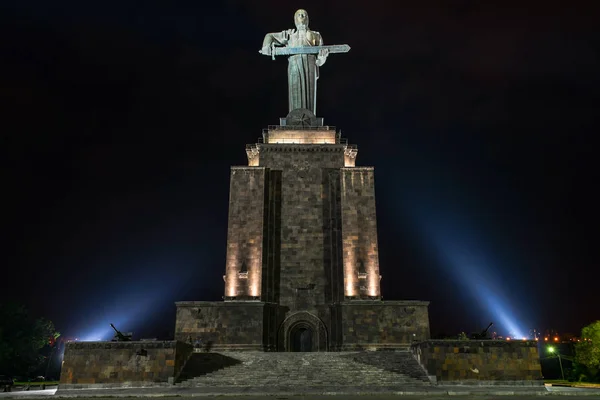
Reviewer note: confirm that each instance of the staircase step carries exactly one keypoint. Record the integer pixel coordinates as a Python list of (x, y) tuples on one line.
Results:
[(251, 369)]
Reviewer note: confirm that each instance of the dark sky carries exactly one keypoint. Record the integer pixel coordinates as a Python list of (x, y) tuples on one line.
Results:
[(120, 120)]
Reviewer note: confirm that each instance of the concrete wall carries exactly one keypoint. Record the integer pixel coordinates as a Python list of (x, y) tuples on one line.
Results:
[(383, 324), (486, 362), (122, 364), (230, 325)]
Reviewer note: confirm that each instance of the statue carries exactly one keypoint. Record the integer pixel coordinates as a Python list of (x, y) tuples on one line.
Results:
[(306, 54)]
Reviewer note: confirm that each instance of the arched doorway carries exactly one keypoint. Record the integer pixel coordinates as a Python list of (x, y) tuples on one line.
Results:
[(302, 331), (301, 338)]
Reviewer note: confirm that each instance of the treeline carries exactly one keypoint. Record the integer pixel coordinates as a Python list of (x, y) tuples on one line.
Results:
[(26, 343)]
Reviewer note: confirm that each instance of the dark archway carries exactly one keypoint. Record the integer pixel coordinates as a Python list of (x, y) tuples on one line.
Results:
[(301, 338), (302, 331)]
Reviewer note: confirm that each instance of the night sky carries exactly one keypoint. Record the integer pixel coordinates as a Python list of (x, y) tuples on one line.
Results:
[(120, 121)]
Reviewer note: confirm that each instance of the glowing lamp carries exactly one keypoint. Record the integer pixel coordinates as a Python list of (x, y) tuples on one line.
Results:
[(507, 338), (551, 349), (556, 339)]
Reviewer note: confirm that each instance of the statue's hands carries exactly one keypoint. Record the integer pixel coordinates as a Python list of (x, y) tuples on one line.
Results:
[(322, 56), (266, 50), (323, 53)]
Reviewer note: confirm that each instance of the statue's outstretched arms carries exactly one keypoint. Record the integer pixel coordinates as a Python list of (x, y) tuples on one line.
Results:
[(274, 39), (323, 53)]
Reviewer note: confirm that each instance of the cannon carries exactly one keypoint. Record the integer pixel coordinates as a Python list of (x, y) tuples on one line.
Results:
[(483, 334), (119, 337)]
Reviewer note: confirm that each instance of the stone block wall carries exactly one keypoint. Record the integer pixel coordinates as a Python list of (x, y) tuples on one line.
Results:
[(271, 263), (231, 325), (122, 364), (359, 233), (486, 362), (244, 259), (382, 325), (304, 250)]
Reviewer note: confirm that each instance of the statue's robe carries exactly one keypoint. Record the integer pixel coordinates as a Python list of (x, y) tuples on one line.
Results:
[(303, 70)]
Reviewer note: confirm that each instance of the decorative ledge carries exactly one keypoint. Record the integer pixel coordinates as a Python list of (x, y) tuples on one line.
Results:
[(301, 148)]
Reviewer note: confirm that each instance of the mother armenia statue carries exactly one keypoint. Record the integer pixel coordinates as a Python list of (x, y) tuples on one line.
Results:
[(306, 54)]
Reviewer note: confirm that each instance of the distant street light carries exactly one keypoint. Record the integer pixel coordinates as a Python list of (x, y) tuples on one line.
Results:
[(552, 350)]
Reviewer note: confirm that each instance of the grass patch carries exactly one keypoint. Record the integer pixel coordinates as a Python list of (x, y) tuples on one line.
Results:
[(36, 383)]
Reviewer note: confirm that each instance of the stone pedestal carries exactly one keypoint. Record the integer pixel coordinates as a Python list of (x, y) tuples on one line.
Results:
[(302, 262)]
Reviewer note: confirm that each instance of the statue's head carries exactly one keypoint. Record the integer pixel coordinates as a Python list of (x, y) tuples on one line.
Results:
[(301, 19)]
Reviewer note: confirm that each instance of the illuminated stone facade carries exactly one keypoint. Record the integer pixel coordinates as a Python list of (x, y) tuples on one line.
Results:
[(302, 262)]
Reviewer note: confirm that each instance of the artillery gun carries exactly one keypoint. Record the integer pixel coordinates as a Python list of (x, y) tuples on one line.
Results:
[(120, 337), (483, 335)]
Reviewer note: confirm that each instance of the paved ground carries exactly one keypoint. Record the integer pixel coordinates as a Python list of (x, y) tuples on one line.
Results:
[(437, 393)]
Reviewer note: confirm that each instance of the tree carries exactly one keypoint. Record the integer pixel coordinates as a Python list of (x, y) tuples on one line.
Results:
[(587, 352), (22, 340)]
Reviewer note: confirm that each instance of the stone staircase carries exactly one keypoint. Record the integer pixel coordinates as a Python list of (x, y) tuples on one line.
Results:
[(305, 370)]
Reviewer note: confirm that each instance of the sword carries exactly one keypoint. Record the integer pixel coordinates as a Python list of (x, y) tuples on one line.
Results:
[(285, 51)]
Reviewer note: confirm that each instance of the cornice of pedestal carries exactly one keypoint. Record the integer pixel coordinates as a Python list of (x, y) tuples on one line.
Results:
[(301, 148), (253, 150)]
